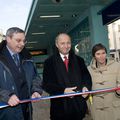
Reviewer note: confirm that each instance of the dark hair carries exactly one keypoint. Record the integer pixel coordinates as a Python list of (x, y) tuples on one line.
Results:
[(97, 47), (13, 30)]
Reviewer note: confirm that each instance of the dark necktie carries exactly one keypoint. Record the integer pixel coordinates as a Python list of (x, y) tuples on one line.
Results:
[(66, 62), (16, 59)]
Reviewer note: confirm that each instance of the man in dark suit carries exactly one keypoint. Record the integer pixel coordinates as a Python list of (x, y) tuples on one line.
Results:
[(65, 72), (18, 76)]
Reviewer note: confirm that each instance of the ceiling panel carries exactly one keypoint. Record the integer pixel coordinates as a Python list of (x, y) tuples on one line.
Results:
[(69, 10)]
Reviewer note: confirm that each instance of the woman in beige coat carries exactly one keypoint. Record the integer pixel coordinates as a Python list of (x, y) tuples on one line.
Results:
[(105, 73)]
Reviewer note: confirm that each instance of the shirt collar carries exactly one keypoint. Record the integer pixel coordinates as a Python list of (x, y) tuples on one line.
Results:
[(62, 56), (11, 53)]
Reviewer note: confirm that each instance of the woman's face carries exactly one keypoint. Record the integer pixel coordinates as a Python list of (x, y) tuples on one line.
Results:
[(100, 56)]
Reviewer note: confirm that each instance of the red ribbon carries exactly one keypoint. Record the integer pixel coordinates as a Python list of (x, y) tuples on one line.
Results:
[(3, 105)]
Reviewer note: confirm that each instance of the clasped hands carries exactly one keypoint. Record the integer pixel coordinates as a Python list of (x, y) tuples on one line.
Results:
[(14, 100), (73, 90)]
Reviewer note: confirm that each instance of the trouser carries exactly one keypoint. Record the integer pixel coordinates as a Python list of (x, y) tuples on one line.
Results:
[(26, 112), (73, 116)]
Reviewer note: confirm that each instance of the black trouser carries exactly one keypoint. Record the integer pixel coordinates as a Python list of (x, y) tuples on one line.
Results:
[(73, 116), (25, 110)]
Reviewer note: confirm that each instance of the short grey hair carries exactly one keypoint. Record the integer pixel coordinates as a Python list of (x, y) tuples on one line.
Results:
[(13, 30), (58, 36)]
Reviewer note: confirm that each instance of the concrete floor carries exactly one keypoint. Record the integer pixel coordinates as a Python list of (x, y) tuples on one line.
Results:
[(41, 109)]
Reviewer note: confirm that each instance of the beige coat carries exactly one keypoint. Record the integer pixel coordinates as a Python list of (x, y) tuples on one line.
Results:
[(105, 106)]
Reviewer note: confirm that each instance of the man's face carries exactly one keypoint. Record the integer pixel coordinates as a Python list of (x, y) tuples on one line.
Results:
[(17, 42), (63, 44)]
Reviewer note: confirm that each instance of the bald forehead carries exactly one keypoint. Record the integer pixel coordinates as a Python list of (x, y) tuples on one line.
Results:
[(62, 36)]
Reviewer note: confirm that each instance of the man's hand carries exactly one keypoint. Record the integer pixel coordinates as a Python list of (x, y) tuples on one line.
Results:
[(13, 101), (35, 95), (70, 90), (84, 90), (118, 91)]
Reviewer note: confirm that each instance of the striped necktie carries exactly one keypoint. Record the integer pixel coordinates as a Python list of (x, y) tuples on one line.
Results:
[(16, 59)]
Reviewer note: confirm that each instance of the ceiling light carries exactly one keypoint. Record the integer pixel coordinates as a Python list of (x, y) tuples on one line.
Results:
[(41, 33), (29, 47), (41, 26), (50, 16), (32, 42)]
